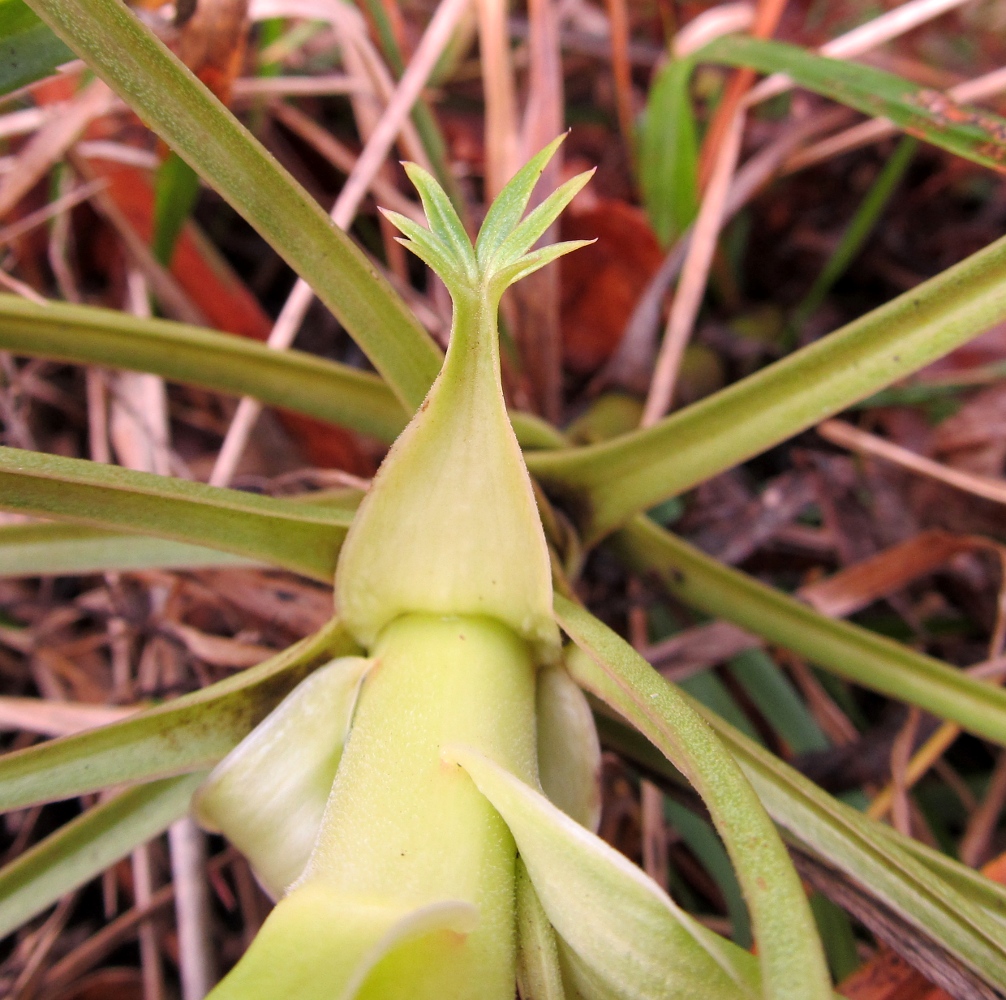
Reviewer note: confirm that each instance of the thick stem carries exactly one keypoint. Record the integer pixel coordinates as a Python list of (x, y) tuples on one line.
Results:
[(404, 828)]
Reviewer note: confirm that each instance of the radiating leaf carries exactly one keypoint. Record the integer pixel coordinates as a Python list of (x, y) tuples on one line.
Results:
[(190, 733), (138, 67), (194, 356), (872, 855), (853, 652), (302, 537), (973, 133), (68, 549), (792, 960), (288, 379), (83, 848), (616, 919), (605, 484)]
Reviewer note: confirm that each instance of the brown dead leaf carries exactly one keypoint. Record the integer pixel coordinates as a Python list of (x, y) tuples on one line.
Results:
[(217, 650), (852, 589), (57, 718), (601, 283), (974, 438), (212, 43), (286, 602)]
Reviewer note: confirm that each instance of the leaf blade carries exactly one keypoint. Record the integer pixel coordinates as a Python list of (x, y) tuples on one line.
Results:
[(607, 483), (198, 127), (976, 135), (302, 537), (190, 733), (87, 845), (792, 959)]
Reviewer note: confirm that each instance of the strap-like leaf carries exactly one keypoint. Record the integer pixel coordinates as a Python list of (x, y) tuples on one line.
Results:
[(188, 734), (298, 536), (65, 549), (124, 52), (81, 850), (793, 962)]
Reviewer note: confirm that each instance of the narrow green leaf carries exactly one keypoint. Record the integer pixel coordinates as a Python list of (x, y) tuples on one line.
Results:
[(870, 854), (139, 68), (288, 379), (973, 133), (69, 549), (774, 697), (630, 937), (857, 232), (700, 838), (836, 932), (83, 848), (792, 960), (28, 49), (302, 537), (175, 194), (669, 152), (880, 862), (189, 733), (872, 660), (508, 206), (604, 484)]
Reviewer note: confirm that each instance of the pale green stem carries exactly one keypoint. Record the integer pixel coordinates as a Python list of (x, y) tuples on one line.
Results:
[(402, 826)]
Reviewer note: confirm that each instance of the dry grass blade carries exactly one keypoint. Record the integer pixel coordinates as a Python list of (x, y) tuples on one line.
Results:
[(57, 718), (344, 210), (62, 204), (692, 286), (847, 436), (502, 143), (52, 141)]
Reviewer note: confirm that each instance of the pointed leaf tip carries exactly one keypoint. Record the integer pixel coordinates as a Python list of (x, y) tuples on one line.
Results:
[(534, 226), (509, 205), (443, 219)]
